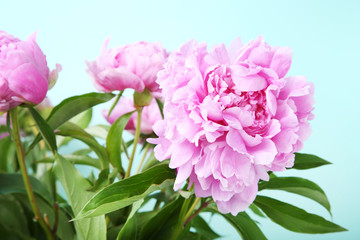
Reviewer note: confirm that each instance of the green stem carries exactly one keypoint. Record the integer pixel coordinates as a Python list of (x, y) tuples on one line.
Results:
[(197, 200), (180, 223), (21, 160), (136, 140), (143, 158)]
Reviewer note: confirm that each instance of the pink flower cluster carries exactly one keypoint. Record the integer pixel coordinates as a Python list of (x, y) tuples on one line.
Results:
[(230, 116), (24, 74), (131, 66)]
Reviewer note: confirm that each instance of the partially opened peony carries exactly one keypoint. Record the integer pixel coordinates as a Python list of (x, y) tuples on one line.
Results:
[(131, 66), (231, 115), (24, 74)]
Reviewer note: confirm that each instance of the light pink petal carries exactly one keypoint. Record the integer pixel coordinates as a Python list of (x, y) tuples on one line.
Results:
[(264, 153), (183, 173), (281, 61)]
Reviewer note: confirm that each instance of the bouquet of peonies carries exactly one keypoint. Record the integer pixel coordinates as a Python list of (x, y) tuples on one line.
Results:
[(210, 129)]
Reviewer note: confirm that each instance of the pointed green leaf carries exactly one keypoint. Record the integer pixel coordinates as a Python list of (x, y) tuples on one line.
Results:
[(299, 186), (100, 131), (71, 107), (46, 131), (202, 227), (129, 230), (114, 140), (74, 131), (162, 225), (161, 106), (13, 183), (307, 161), (83, 119), (244, 225), (75, 159), (65, 228), (11, 215), (256, 210), (75, 187), (102, 180), (128, 191), (293, 218), (7, 153)]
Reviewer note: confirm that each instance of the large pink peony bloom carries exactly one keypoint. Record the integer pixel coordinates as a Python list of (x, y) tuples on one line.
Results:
[(149, 115), (231, 115), (24, 74), (131, 66)]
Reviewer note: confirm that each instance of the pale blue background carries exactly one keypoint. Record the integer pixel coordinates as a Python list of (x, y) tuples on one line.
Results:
[(324, 35)]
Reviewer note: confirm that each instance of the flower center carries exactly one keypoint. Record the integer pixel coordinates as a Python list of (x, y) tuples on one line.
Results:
[(222, 89)]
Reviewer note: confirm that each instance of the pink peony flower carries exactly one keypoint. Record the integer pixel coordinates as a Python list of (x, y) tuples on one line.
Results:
[(150, 114), (131, 66), (231, 115), (24, 74)]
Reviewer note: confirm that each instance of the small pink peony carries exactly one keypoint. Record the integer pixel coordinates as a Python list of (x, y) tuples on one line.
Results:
[(131, 66), (231, 115), (150, 114), (24, 74)]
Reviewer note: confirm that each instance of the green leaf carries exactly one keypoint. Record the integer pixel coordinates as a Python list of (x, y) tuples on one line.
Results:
[(13, 183), (299, 186), (244, 225), (161, 106), (114, 141), (256, 210), (7, 153), (71, 107), (129, 230), (11, 215), (75, 159), (152, 161), (100, 131), (83, 119), (75, 188), (114, 103), (293, 218), (65, 228), (161, 226), (307, 161), (202, 227), (128, 191), (46, 131), (102, 180), (74, 131)]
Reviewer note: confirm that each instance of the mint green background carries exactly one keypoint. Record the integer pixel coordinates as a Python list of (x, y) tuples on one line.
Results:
[(324, 35)]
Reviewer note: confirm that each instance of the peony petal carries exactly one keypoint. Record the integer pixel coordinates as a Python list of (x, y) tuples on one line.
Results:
[(183, 173), (27, 82), (245, 81), (120, 79), (264, 153), (281, 61)]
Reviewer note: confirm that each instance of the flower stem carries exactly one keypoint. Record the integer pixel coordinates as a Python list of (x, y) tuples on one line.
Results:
[(25, 176), (197, 200), (143, 158), (189, 218), (136, 140), (180, 223)]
